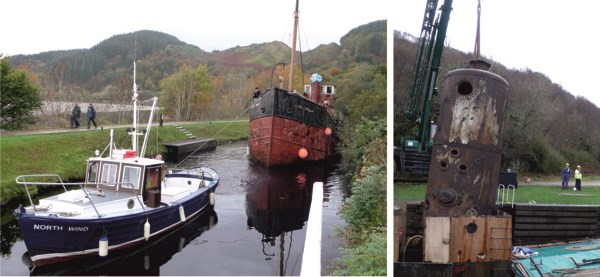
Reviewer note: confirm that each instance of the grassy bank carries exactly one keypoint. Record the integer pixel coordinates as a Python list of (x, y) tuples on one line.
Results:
[(65, 153), (524, 194)]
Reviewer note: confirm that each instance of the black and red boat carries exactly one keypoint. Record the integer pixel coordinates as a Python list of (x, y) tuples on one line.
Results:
[(287, 127)]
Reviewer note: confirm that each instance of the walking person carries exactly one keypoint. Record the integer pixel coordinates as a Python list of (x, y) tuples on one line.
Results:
[(566, 174), (75, 114), (578, 176), (91, 113)]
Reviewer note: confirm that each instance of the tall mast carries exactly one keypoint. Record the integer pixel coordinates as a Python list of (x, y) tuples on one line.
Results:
[(135, 95), (293, 61)]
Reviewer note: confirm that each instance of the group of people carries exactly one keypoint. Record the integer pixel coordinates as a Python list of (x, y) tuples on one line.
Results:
[(566, 174), (76, 114)]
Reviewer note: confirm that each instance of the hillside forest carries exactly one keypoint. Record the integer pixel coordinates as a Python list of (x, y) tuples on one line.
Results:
[(546, 126), (103, 73)]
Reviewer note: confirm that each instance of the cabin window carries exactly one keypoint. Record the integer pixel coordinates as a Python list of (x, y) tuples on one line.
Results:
[(92, 172), (307, 89), (131, 175), (109, 174), (329, 89)]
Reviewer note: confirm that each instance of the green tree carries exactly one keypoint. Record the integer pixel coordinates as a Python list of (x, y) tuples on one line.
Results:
[(19, 96), (187, 93), (371, 102)]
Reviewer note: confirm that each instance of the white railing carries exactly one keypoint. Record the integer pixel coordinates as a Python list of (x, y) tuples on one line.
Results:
[(22, 180), (311, 259), (503, 192)]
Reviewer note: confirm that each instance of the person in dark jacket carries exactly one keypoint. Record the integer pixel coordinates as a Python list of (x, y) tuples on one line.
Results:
[(91, 113), (566, 174), (75, 114)]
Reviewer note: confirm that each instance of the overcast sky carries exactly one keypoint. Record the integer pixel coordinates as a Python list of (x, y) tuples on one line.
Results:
[(556, 38), (33, 26)]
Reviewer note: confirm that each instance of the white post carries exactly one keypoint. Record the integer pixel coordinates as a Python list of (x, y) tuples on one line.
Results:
[(143, 152), (134, 132), (311, 259), (112, 143)]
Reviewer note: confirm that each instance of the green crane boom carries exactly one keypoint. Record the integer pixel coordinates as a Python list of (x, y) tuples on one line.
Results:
[(423, 85)]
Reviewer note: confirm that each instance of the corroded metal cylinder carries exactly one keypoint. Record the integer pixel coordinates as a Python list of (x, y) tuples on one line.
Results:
[(465, 160)]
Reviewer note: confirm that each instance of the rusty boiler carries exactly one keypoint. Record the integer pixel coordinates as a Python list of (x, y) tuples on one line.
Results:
[(465, 160), (461, 221)]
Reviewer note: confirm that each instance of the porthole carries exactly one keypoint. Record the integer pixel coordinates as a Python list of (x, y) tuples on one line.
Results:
[(471, 228), (465, 88), (443, 165)]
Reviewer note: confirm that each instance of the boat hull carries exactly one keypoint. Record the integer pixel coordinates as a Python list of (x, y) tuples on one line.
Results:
[(282, 123), (51, 239)]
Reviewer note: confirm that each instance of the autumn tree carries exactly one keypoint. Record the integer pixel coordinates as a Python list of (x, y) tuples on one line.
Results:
[(19, 96), (234, 92), (187, 93)]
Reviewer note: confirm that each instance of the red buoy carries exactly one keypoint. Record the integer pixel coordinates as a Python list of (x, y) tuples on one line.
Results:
[(328, 131), (302, 153)]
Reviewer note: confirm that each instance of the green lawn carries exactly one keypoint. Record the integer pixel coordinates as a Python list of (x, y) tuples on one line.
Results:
[(524, 194), (65, 153)]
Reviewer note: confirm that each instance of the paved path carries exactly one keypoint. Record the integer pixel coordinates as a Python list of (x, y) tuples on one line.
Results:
[(584, 183), (84, 129)]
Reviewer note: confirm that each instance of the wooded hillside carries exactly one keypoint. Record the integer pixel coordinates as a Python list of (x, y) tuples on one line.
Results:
[(546, 126), (103, 73)]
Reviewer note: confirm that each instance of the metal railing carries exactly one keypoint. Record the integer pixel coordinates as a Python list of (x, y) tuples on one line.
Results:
[(504, 191), (22, 180)]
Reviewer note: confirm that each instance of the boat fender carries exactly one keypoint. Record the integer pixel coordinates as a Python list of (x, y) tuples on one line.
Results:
[(103, 246), (328, 131), (212, 198), (181, 213), (302, 153), (147, 230)]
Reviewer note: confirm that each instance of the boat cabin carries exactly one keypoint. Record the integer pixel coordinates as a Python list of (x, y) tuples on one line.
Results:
[(141, 176), (327, 97)]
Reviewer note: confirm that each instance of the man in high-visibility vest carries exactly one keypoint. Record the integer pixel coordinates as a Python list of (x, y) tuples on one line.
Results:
[(578, 176)]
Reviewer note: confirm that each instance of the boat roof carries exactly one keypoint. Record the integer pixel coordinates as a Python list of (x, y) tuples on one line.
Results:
[(134, 160)]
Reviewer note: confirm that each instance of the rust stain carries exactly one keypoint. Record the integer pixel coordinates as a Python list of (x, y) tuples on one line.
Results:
[(474, 117)]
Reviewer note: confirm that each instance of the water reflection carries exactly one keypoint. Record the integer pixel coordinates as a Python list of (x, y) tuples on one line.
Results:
[(278, 204), (145, 260)]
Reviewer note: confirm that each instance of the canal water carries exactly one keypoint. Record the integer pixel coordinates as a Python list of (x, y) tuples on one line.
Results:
[(258, 226)]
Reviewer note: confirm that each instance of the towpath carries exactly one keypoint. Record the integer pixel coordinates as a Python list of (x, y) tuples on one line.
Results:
[(84, 129), (584, 183)]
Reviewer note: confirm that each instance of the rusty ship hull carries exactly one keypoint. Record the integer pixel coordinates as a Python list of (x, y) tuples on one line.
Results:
[(282, 123)]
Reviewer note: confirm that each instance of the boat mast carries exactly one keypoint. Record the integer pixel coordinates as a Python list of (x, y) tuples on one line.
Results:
[(293, 61), (134, 133)]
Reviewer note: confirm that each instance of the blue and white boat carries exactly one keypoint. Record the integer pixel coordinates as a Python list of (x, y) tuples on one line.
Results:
[(126, 200), (576, 258)]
